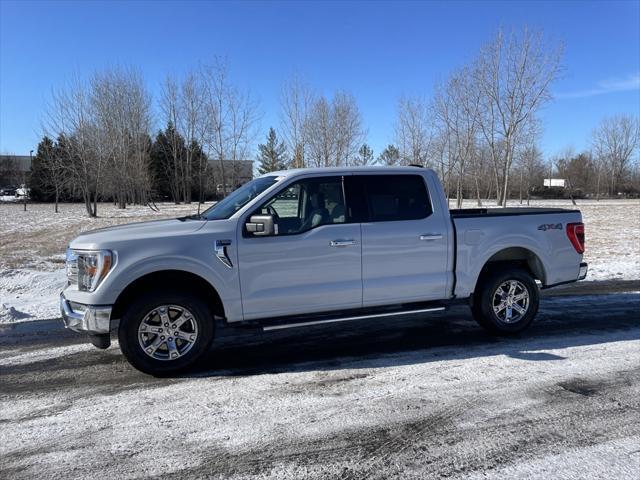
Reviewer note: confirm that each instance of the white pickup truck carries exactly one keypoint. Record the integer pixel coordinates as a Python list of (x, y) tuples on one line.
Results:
[(311, 246)]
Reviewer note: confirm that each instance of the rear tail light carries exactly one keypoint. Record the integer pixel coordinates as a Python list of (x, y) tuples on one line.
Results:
[(575, 232)]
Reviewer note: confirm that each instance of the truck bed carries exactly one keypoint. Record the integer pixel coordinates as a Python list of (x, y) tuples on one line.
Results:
[(503, 212)]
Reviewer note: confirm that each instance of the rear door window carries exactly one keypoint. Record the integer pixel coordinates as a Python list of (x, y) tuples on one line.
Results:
[(390, 198)]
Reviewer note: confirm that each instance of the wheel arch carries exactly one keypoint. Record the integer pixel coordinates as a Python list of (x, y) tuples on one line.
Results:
[(514, 256), (182, 278)]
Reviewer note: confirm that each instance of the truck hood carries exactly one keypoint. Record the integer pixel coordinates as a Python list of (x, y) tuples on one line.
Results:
[(104, 237)]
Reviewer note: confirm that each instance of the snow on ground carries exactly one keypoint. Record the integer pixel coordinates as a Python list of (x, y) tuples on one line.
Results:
[(32, 245), (30, 294)]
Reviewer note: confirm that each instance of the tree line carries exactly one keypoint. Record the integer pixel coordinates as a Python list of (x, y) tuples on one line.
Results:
[(479, 130)]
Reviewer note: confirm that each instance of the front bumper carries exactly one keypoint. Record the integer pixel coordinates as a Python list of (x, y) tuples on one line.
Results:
[(92, 319), (583, 271)]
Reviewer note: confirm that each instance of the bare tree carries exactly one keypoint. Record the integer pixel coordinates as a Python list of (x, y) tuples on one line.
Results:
[(170, 107), (563, 165), (121, 108), (532, 168), (333, 131), (193, 126), (514, 73), (413, 131), (52, 158), (615, 141), (456, 109), (70, 114), (320, 136), (296, 99), (347, 127), (231, 119)]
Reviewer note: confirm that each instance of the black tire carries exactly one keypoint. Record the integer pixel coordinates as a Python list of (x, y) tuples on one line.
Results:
[(487, 294), (197, 312)]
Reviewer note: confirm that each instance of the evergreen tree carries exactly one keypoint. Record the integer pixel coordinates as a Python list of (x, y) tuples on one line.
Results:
[(390, 156), (199, 172), (39, 184), (50, 176), (166, 164), (365, 155), (272, 155)]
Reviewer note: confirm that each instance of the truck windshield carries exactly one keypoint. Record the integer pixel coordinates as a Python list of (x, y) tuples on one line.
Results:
[(238, 198)]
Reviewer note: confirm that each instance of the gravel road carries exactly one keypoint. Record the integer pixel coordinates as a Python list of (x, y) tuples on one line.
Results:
[(417, 397)]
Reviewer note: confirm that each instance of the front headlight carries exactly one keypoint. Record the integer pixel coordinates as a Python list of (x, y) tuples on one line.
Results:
[(88, 268)]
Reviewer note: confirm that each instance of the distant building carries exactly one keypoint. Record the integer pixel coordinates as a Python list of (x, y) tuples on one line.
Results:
[(13, 169), (554, 182), (236, 172)]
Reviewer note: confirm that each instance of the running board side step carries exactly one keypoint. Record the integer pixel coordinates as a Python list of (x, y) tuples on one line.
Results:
[(348, 319)]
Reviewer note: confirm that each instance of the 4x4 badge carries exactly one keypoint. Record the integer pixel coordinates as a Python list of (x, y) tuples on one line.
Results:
[(550, 226)]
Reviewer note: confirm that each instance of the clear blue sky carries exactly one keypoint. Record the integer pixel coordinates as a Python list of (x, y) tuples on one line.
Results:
[(377, 50)]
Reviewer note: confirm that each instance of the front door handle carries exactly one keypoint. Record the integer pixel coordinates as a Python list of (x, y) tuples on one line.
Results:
[(342, 243), (427, 237)]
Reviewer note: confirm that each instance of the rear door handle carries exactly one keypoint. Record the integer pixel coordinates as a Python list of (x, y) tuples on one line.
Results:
[(342, 243), (427, 237)]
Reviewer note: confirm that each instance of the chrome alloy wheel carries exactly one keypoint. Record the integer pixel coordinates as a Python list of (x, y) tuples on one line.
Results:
[(167, 332), (510, 301)]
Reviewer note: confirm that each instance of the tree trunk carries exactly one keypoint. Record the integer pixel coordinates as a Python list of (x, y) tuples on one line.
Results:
[(571, 191), (94, 213), (505, 190), (521, 187), (489, 187), (224, 178), (498, 190), (478, 192)]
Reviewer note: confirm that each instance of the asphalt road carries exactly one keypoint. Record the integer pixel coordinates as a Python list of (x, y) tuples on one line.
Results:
[(417, 397)]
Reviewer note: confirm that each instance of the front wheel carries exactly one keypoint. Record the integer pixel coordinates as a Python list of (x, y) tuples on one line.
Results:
[(164, 333), (506, 301)]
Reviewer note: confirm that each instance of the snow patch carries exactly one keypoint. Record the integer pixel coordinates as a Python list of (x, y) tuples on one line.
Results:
[(8, 314), (30, 294)]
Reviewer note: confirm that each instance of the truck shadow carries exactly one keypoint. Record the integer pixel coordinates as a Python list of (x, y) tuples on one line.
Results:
[(562, 322)]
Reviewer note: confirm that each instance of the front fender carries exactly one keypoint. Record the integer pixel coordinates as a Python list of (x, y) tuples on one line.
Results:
[(135, 263)]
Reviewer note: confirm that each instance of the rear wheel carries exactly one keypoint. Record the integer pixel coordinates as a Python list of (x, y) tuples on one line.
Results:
[(506, 300), (164, 333)]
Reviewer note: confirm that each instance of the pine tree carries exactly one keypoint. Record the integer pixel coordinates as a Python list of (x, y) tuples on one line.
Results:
[(166, 165), (365, 155), (272, 155), (390, 156), (40, 188)]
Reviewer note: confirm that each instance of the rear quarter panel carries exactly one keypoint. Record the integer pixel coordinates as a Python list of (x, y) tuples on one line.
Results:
[(480, 238)]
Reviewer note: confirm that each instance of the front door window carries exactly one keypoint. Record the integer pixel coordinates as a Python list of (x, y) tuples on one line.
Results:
[(307, 204)]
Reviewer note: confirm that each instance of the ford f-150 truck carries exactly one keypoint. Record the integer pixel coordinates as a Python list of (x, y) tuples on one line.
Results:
[(310, 246)]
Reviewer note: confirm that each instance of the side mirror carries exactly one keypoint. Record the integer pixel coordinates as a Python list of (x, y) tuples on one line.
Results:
[(261, 225)]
